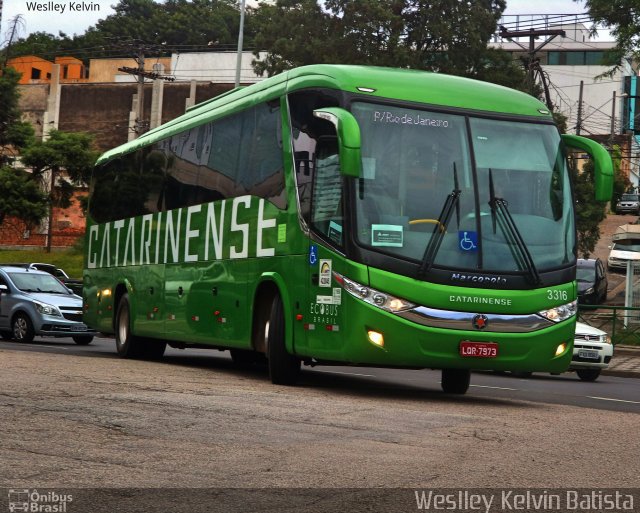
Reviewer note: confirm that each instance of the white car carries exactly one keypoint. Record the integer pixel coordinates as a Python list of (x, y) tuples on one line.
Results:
[(592, 352)]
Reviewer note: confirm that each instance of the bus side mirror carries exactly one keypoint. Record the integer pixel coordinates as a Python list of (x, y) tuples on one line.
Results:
[(348, 138), (603, 166)]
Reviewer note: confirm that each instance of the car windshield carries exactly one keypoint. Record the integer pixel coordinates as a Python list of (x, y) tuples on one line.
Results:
[(627, 245), (629, 197), (585, 274), (494, 194), (32, 282)]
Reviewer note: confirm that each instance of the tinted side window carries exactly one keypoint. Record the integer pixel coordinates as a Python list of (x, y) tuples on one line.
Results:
[(237, 155), (264, 171), (129, 186)]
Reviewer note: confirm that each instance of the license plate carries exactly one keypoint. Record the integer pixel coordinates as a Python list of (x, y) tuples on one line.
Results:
[(79, 327), (478, 349), (591, 355)]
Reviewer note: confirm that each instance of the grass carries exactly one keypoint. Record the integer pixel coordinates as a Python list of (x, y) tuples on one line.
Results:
[(71, 260)]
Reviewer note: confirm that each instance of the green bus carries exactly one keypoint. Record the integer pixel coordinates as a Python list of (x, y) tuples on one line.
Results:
[(344, 215)]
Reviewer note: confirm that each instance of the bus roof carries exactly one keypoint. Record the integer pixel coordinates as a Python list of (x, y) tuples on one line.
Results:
[(397, 84)]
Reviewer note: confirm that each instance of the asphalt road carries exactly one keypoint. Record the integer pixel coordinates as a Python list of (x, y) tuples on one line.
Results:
[(607, 393), (81, 418)]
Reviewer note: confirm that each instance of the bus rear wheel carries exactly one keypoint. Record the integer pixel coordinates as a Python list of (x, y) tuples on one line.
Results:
[(129, 345), (284, 368), (455, 381)]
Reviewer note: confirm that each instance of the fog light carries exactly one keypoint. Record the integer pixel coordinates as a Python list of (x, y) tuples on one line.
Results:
[(375, 338), (561, 348)]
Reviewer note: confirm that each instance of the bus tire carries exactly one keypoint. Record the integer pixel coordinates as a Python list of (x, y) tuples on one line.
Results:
[(245, 358), (128, 345), (153, 349), (455, 381), (284, 368), (588, 374)]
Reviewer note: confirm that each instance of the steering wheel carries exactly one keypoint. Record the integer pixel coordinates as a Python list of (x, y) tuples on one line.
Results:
[(428, 221)]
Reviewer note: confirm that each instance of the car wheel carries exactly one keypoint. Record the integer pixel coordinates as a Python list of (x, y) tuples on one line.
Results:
[(284, 368), (455, 381), (588, 374), (83, 340), (22, 328)]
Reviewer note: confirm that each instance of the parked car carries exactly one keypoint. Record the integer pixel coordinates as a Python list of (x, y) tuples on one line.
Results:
[(592, 281), (72, 283), (592, 352), (628, 203), (621, 252), (33, 302)]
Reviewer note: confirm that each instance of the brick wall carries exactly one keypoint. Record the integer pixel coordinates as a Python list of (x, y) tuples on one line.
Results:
[(68, 227)]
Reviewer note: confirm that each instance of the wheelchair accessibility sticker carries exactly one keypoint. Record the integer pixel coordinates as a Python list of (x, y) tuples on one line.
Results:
[(468, 241)]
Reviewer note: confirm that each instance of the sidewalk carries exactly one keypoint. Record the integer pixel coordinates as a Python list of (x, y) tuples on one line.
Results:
[(625, 362)]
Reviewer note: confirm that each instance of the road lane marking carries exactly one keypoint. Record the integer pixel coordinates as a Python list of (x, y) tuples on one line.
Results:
[(611, 399), (497, 388), (346, 373)]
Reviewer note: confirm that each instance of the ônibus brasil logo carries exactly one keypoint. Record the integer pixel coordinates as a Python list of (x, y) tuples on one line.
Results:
[(38, 502)]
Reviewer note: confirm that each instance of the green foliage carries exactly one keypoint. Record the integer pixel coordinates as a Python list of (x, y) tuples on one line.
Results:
[(68, 151), (70, 260), (623, 19), (589, 212), (447, 36), (621, 183), (14, 134), (171, 25), (21, 197)]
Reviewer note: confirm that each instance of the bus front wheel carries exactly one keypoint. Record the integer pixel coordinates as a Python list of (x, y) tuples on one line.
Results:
[(284, 368), (455, 381)]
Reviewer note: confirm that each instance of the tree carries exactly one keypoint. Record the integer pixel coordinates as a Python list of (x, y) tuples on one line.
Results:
[(447, 36), (621, 183), (21, 197), (63, 151), (14, 133), (590, 213), (623, 18), (176, 25)]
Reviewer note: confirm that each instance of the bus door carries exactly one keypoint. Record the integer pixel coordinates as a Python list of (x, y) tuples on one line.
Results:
[(325, 318)]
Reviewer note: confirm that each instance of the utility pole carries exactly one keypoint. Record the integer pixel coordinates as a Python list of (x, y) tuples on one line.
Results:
[(140, 110), (613, 116), (579, 121), (139, 56), (240, 40), (532, 65)]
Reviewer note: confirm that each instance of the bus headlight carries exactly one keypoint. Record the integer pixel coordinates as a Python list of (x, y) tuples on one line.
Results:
[(374, 297), (560, 313)]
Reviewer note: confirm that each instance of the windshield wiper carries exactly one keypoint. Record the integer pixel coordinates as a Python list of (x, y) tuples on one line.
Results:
[(437, 236), (500, 214)]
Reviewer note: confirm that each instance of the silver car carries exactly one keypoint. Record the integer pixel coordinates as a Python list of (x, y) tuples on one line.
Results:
[(34, 303)]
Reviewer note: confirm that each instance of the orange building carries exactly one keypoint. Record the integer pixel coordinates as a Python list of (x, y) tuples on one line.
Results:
[(36, 70)]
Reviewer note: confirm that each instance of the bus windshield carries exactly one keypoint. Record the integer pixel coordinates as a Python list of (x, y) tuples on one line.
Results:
[(461, 192)]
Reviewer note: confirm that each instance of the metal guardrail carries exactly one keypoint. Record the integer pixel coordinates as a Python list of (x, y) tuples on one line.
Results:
[(620, 322)]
